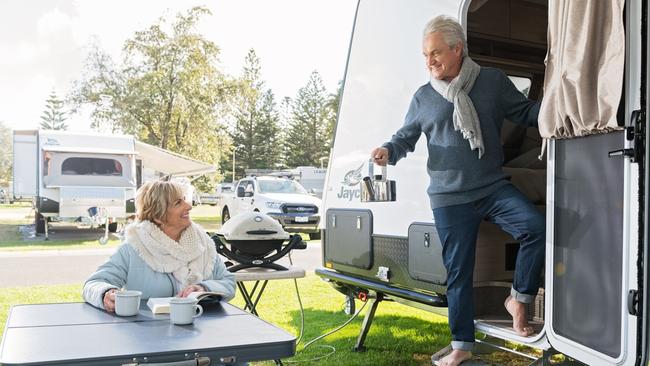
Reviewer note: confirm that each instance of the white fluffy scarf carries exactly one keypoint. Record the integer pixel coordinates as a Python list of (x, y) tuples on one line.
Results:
[(465, 117), (190, 260)]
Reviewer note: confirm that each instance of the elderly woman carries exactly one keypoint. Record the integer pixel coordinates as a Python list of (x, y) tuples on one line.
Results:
[(164, 253)]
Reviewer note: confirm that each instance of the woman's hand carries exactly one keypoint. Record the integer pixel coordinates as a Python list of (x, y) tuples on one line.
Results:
[(191, 288), (109, 300)]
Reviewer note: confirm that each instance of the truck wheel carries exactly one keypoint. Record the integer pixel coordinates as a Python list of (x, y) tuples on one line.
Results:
[(39, 223), (314, 236), (112, 227), (225, 215)]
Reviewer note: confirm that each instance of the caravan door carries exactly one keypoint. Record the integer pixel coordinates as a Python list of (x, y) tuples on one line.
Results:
[(593, 233)]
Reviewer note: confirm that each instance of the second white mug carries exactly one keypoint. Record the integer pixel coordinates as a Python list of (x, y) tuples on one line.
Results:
[(182, 310)]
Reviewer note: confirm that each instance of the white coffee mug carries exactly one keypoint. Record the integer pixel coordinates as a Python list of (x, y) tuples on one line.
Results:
[(183, 310), (127, 302)]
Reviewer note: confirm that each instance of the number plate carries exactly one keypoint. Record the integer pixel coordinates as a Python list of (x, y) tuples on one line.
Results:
[(302, 219)]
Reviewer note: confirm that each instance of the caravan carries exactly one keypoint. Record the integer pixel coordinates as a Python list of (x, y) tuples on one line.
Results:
[(88, 176), (591, 183)]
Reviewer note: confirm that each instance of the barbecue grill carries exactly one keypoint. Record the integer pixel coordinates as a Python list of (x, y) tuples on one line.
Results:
[(254, 239)]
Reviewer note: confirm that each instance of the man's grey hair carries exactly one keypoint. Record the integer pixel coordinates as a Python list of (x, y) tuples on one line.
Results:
[(451, 30)]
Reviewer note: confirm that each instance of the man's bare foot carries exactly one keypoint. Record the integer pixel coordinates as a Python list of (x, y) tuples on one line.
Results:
[(456, 357), (519, 317)]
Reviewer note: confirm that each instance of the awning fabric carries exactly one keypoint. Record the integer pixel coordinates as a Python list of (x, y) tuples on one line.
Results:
[(584, 68), (86, 150), (168, 162)]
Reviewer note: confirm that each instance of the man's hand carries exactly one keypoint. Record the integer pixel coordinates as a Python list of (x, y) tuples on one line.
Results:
[(380, 155), (109, 300), (191, 288)]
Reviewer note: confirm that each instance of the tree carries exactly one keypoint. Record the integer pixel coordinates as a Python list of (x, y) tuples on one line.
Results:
[(307, 137), (53, 117), (256, 121), (167, 90), (334, 104), (6, 155)]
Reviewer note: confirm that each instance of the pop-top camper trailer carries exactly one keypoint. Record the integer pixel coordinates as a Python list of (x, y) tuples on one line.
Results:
[(592, 185), (73, 175)]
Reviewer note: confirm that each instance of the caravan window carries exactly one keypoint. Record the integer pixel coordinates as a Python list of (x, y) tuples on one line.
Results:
[(522, 84), (91, 166)]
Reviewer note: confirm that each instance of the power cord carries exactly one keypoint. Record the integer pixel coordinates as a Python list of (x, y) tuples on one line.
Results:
[(302, 328)]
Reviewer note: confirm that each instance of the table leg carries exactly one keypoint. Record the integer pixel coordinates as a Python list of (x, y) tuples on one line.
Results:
[(247, 298), (255, 293), (259, 293)]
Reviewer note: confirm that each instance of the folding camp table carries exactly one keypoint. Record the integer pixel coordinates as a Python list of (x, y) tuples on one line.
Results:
[(79, 334), (261, 276)]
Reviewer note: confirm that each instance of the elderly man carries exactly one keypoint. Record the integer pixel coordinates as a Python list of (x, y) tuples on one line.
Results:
[(461, 111)]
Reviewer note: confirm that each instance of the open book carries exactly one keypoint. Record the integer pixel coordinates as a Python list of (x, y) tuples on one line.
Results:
[(160, 305)]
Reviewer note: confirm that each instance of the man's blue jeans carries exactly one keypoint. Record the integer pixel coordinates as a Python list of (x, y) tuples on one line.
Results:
[(457, 228)]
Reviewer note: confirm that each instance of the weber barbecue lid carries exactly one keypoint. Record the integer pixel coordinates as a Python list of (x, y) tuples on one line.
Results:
[(252, 226)]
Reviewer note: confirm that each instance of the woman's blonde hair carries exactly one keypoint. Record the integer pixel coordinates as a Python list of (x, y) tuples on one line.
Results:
[(153, 199)]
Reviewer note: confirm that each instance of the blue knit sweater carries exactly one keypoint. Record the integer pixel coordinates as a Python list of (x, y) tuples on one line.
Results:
[(456, 173)]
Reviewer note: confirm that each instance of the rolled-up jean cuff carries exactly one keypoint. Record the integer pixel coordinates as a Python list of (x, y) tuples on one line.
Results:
[(462, 345), (523, 298)]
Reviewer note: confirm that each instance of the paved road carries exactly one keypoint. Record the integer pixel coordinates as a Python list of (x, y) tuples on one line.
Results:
[(74, 266)]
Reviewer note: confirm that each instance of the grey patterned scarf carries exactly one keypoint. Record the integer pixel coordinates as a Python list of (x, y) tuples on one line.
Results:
[(465, 117)]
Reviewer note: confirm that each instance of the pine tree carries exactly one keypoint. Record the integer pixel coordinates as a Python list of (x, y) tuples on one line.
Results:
[(256, 129), (53, 117), (6, 155), (307, 138)]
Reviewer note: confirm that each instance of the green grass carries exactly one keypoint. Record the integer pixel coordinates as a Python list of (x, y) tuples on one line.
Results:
[(36, 295), (399, 335), (10, 240)]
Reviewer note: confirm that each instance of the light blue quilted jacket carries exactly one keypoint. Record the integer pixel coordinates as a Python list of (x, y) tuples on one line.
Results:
[(126, 269)]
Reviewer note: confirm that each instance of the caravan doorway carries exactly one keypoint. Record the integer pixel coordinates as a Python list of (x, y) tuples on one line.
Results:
[(586, 237), (516, 44)]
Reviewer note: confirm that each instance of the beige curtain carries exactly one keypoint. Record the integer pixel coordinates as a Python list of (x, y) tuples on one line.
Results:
[(584, 68)]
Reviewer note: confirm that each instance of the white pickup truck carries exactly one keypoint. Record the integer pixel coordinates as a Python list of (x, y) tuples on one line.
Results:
[(283, 199)]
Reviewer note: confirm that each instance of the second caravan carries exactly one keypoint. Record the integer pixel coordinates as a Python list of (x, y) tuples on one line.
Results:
[(89, 176)]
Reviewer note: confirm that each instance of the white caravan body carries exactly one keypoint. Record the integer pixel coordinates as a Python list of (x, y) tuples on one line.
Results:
[(75, 175), (589, 307), (312, 178)]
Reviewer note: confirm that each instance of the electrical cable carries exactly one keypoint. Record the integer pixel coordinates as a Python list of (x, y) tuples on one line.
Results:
[(336, 329), (302, 311), (302, 328)]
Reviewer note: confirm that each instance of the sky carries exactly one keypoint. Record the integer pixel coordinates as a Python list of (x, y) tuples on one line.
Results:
[(43, 43)]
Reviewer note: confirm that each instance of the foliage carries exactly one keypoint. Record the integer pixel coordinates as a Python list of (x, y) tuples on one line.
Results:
[(309, 135), (53, 117), (167, 92), (6, 155), (334, 104), (256, 121)]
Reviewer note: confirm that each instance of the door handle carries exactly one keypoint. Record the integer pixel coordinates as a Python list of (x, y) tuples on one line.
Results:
[(621, 152)]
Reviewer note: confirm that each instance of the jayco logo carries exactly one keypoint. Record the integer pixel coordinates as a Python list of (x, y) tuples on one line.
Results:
[(351, 180)]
